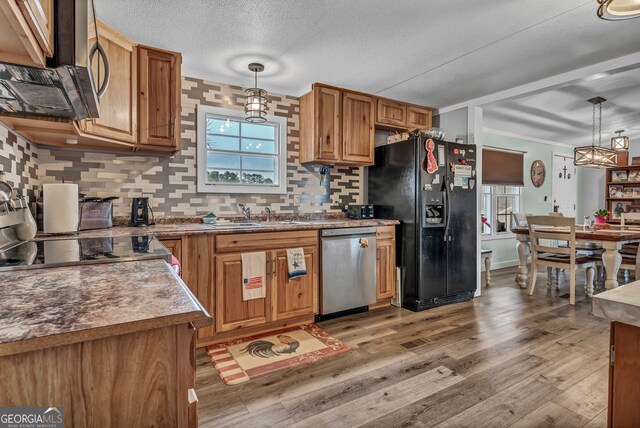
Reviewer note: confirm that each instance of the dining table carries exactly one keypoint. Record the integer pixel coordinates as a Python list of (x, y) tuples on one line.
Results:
[(610, 239)]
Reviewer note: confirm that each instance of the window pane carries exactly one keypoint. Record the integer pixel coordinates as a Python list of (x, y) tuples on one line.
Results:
[(258, 163), (220, 142), (486, 213), (215, 160), (222, 126), (252, 130), (499, 189), (223, 176), (258, 177), (258, 146), (486, 189)]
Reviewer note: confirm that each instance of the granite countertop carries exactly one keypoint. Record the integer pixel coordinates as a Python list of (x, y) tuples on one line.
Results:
[(42, 308), (181, 229), (620, 304)]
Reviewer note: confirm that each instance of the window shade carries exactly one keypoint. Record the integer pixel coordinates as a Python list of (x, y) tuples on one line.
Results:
[(505, 168)]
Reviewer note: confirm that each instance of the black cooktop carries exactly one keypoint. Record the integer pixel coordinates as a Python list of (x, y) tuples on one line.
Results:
[(72, 252)]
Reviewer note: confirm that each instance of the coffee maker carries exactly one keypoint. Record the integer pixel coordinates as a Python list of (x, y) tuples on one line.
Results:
[(140, 212)]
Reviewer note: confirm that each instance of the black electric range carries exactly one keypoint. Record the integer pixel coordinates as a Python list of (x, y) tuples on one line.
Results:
[(77, 251)]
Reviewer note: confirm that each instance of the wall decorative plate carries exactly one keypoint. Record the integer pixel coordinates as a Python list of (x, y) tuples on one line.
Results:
[(538, 173)]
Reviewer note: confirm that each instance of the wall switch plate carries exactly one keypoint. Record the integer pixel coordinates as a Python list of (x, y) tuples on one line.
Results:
[(296, 199)]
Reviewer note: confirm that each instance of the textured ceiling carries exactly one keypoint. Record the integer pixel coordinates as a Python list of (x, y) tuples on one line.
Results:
[(563, 114), (432, 52)]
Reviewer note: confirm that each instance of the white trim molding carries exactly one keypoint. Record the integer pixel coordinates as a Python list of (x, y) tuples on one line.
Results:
[(281, 169)]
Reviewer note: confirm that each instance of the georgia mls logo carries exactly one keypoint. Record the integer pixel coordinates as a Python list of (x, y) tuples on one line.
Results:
[(31, 417)]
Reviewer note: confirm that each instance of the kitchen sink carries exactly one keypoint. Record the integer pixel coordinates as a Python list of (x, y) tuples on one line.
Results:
[(292, 222), (235, 226)]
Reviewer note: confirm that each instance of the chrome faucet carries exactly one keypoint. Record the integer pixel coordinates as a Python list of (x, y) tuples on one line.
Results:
[(267, 210), (246, 212)]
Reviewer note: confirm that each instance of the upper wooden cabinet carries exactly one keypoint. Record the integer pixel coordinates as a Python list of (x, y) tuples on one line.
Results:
[(336, 127), (358, 129), (390, 112), (396, 115), (159, 98), (26, 31), (139, 111), (418, 117), (118, 112)]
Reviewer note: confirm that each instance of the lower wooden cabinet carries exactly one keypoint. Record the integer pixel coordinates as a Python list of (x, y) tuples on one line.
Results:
[(232, 312), (294, 297), (624, 375), (285, 298), (386, 263), (175, 247)]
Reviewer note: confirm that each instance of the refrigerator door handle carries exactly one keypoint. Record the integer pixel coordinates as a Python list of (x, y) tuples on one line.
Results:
[(448, 208)]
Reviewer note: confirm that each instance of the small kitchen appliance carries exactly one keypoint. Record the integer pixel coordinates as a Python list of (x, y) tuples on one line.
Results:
[(140, 209), (359, 211)]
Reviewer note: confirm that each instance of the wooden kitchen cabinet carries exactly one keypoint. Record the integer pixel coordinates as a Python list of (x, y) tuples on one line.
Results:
[(287, 301), (389, 112), (624, 382), (385, 263), (358, 129), (297, 296), (418, 117), (321, 125), (336, 127), (159, 89), (174, 246), (118, 104), (26, 31), (231, 311)]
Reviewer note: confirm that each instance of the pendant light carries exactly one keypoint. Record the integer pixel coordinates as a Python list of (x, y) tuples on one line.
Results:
[(620, 142), (617, 10), (255, 104), (595, 156)]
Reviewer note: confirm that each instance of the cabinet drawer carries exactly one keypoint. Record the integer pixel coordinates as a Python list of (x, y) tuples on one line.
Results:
[(386, 232), (256, 241)]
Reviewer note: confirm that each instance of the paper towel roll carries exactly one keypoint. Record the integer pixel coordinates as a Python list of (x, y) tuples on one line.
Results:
[(60, 208), (61, 251)]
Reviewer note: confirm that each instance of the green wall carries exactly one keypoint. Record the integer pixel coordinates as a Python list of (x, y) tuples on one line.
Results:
[(504, 253)]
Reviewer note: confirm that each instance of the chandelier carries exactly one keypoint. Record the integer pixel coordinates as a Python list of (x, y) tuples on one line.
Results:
[(255, 104), (620, 142), (595, 156), (617, 10)]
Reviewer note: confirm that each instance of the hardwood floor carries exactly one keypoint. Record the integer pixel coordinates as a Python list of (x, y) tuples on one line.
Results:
[(504, 359)]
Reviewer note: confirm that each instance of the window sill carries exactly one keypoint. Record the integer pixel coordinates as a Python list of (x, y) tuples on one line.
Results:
[(240, 189), (505, 235)]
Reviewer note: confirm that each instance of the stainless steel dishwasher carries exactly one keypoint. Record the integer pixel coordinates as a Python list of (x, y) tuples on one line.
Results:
[(348, 269)]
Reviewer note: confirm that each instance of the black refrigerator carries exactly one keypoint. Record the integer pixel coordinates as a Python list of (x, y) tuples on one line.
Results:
[(433, 194)]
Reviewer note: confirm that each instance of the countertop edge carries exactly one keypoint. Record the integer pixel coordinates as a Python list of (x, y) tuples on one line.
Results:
[(26, 345)]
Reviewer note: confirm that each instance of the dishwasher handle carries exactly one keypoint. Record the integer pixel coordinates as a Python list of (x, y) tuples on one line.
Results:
[(343, 237)]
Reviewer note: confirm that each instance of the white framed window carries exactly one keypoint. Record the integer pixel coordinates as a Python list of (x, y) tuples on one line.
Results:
[(236, 156), (498, 205)]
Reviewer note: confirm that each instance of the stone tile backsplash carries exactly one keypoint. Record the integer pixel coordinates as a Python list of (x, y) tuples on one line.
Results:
[(171, 181)]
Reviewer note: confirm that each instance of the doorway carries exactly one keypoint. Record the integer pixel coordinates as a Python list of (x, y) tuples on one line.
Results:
[(563, 185)]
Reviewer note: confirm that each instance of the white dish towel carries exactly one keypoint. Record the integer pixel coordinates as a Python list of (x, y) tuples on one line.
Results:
[(295, 262), (254, 275)]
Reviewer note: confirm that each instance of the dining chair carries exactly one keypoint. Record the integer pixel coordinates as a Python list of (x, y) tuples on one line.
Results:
[(557, 228), (630, 252), (589, 249)]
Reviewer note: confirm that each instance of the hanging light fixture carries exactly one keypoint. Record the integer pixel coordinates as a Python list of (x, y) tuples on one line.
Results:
[(617, 10), (620, 142), (255, 104), (595, 156)]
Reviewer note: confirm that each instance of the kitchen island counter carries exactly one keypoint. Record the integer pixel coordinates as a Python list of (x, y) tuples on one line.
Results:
[(42, 308)]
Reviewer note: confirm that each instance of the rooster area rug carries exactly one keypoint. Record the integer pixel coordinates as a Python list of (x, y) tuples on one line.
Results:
[(243, 359)]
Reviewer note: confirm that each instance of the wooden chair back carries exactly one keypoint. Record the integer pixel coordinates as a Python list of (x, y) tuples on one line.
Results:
[(624, 217), (542, 228)]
